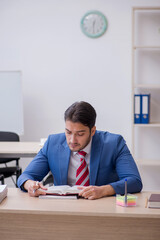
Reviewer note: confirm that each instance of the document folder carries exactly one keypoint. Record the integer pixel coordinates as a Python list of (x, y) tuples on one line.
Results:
[(145, 108), (137, 108)]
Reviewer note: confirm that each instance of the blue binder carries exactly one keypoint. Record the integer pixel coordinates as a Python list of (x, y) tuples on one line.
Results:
[(145, 108), (137, 108)]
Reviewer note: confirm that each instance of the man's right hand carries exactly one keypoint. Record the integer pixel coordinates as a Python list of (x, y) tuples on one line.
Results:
[(34, 188)]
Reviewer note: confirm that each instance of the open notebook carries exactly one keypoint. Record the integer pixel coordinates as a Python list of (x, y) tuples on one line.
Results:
[(62, 191)]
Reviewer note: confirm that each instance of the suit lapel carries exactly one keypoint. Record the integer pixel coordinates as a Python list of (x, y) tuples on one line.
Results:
[(64, 153), (95, 158)]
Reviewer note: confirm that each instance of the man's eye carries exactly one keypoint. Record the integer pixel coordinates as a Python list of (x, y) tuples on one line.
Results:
[(80, 134), (68, 133)]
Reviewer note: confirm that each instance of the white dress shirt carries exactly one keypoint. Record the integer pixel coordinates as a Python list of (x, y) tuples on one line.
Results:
[(74, 163)]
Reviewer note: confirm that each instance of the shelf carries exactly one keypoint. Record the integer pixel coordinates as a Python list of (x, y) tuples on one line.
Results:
[(147, 162), (147, 86), (147, 47), (146, 80), (147, 125), (146, 9)]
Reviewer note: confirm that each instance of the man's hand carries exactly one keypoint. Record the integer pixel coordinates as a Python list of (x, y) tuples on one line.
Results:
[(95, 192), (34, 188)]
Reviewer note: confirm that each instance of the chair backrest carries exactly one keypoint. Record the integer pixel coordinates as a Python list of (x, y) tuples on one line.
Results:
[(8, 137)]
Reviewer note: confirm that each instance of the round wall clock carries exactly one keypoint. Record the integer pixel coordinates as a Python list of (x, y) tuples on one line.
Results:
[(94, 24)]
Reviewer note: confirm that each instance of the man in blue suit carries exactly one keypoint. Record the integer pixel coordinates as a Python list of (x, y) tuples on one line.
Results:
[(107, 158)]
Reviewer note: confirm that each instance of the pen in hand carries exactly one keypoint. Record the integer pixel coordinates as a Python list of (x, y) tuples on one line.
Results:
[(37, 184)]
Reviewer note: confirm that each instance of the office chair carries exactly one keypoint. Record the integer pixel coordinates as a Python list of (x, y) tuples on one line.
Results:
[(8, 171), (48, 180), (2, 179)]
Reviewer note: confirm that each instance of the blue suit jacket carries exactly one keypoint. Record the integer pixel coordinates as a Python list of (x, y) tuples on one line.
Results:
[(110, 162)]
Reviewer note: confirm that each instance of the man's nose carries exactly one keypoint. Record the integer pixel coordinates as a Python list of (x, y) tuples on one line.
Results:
[(73, 138)]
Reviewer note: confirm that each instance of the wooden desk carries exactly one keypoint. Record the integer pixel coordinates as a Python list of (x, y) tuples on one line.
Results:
[(23, 217), (19, 149)]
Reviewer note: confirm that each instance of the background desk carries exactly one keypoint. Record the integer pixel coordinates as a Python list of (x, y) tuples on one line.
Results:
[(19, 149), (24, 217)]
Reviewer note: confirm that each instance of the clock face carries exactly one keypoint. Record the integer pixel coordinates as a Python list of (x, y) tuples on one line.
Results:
[(94, 24)]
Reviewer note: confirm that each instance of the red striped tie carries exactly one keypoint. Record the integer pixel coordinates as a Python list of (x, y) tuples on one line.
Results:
[(82, 174)]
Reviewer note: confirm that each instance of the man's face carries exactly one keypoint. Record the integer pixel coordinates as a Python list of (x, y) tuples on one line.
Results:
[(78, 135)]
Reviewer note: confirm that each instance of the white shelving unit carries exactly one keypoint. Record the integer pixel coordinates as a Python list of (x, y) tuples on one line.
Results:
[(146, 79)]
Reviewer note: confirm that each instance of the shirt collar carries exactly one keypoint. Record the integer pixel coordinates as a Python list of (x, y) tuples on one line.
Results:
[(87, 149)]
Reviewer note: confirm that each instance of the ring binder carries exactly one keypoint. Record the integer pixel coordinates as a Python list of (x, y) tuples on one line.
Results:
[(145, 108), (141, 108), (137, 108)]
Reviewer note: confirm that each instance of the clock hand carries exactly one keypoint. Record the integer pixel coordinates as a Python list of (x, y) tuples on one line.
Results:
[(94, 26)]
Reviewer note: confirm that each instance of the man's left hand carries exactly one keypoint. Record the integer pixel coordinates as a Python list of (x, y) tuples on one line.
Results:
[(95, 192)]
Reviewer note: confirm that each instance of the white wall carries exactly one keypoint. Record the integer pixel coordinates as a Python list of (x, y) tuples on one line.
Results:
[(11, 104), (60, 65)]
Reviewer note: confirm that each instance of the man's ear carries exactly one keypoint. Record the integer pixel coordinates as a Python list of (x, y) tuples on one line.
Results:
[(93, 130)]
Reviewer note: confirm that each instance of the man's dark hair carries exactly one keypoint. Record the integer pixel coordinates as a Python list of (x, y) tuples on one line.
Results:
[(81, 112)]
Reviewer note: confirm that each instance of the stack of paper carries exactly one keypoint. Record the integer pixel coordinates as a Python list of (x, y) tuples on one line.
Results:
[(131, 200), (3, 192), (58, 197)]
